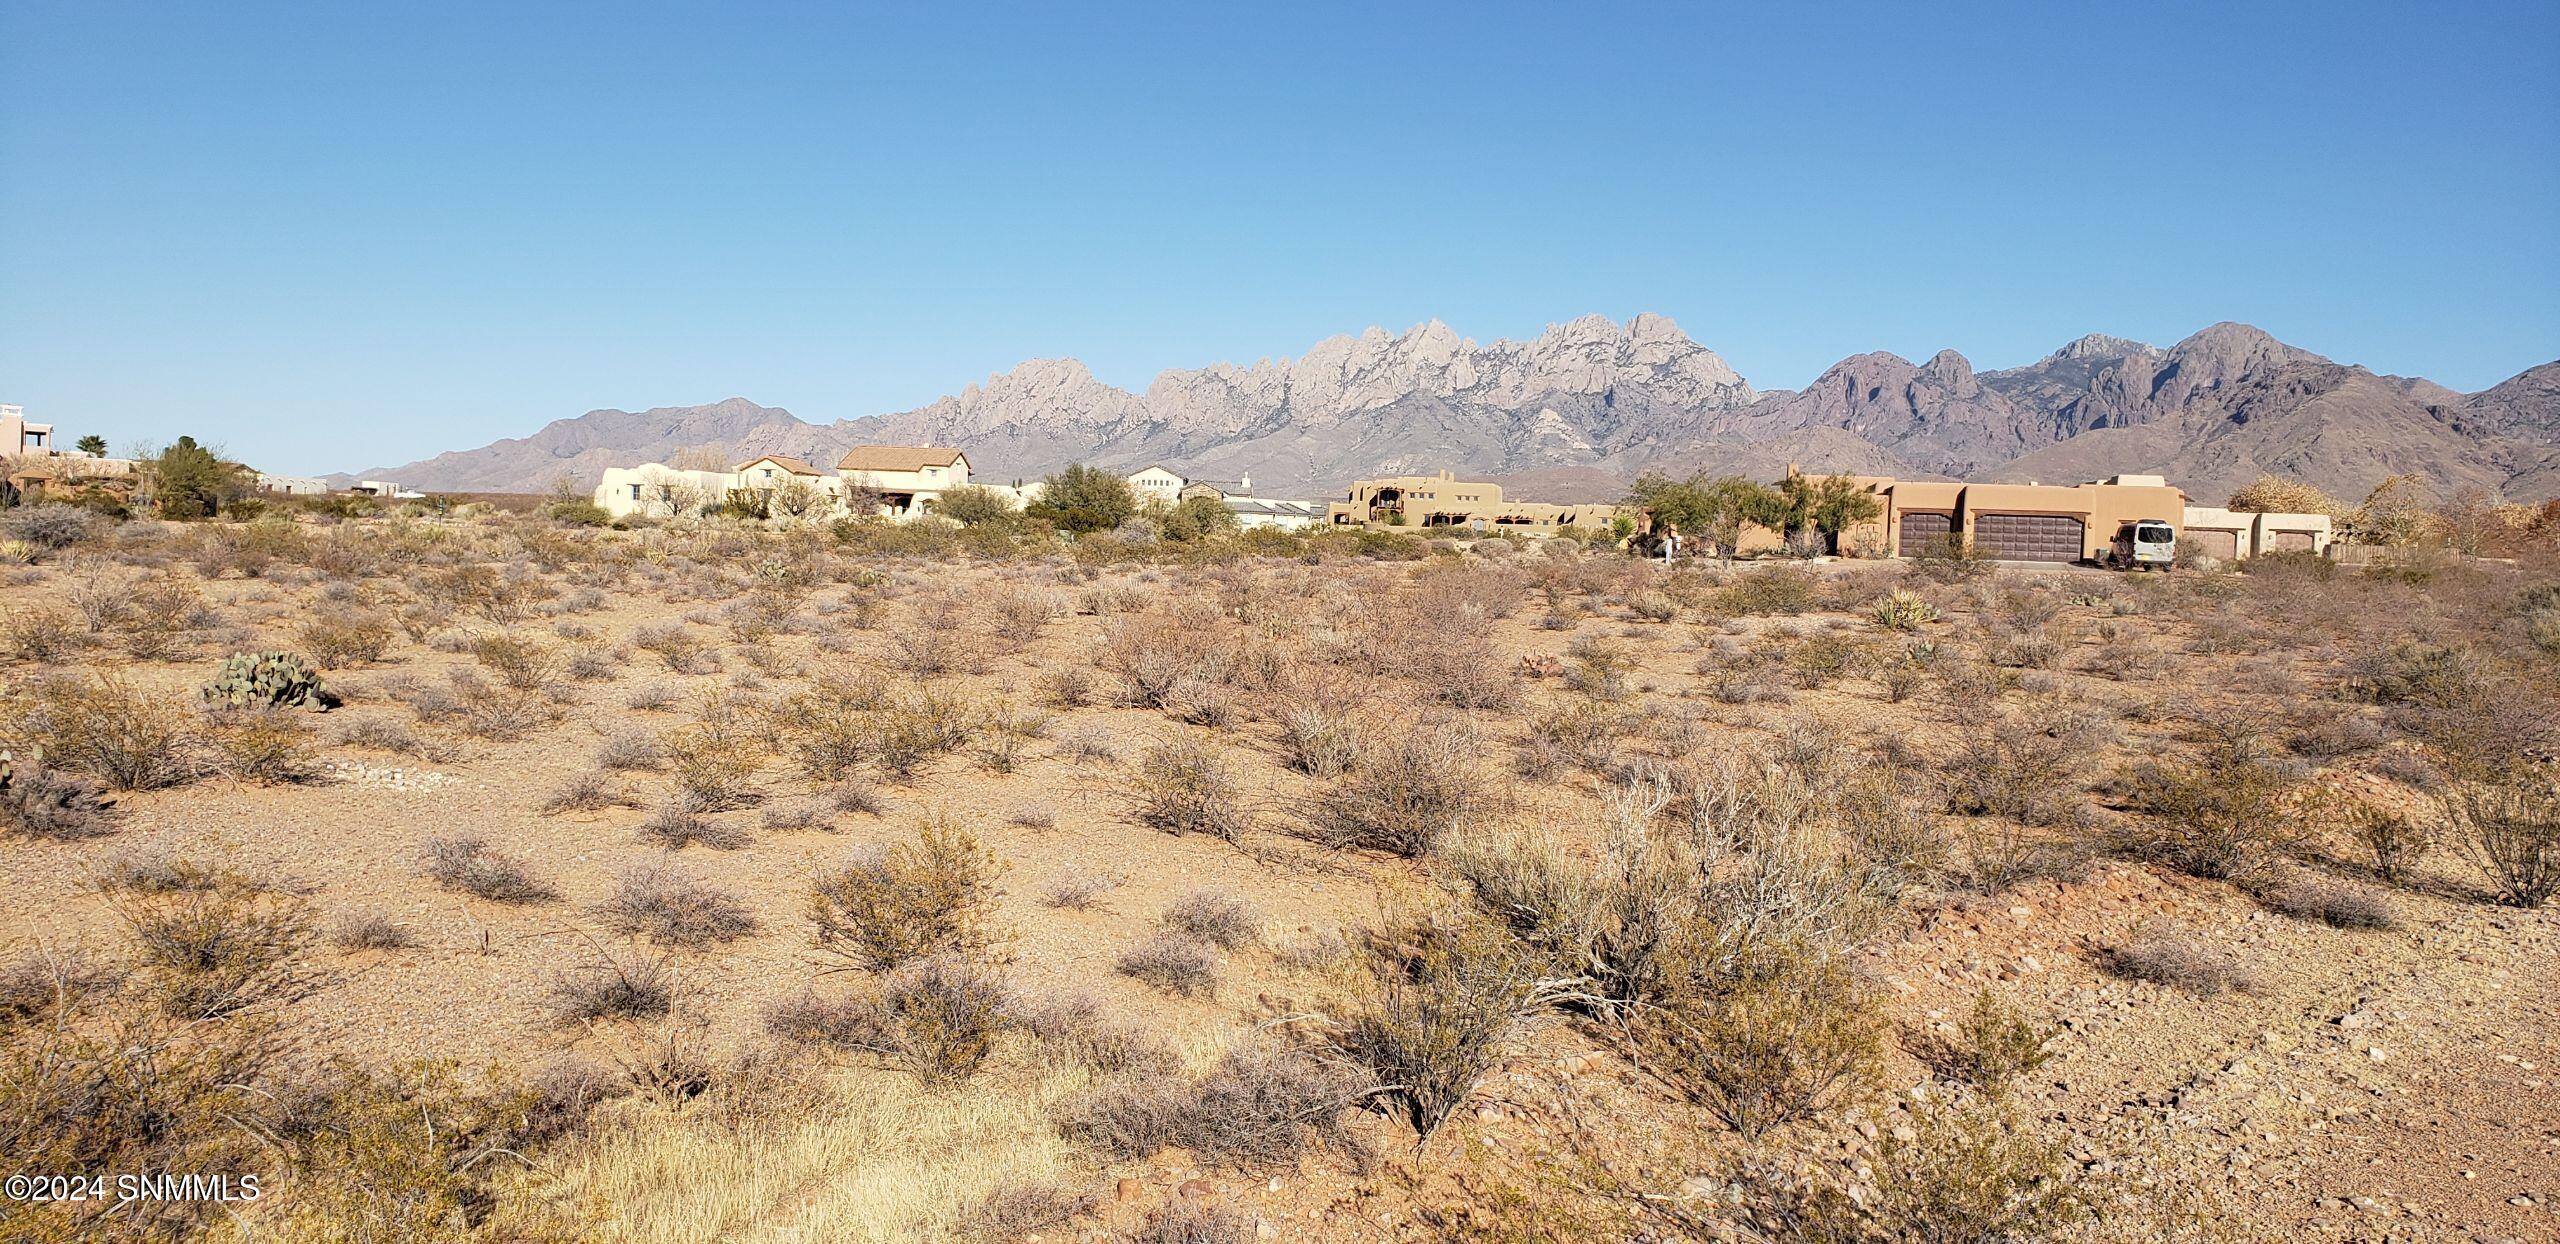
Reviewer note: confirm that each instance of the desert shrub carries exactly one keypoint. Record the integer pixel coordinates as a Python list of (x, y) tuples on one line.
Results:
[(1181, 786), (370, 931), (591, 790), (2024, 767), (50, 527), (1260, 1107), (1822, 660), (885, 907), (937, 1017), (1652, 606), (158, 872), (1776, 1044), (909, 732), (1525, 879), (676, 647), (1446, 997), (218, 950), (37, 802), (1183, 1220), (1969, 1167), (342, 639), (1948, 560), (672, 909), (38, 633), (520, 662), (1768, 590), (1990, 1046), (714, 764), (262, 745), (1080, 888), (1218, 918), (470, 866), (2221, 819), (1408, 791), (2163, 953), (614, 986), (826, 732), (2393, 840), (1997, 856), (2330, 901), (1172, 961), (629, 749), (381, 734), (1072, 1025), (1067, 686), (49, 984), (2508, 826), (1321, 741), (680, 822), (128, 738)]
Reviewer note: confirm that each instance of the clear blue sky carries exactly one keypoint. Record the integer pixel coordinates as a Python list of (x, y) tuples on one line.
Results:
[(339, 236)]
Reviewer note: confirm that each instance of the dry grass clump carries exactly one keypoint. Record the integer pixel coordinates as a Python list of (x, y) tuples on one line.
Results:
[(1072, 1025), (588, 791), (468, 865), (1967, 1166), (1174, 962), (127, 738), (614, 986), (2163, 953), (2306, 896), (38, 802), (1018, 1209), (1183, 787), (370, 931), (886, 906), (1080, 888), (676, 647), (672, 909), (1406, 793), (1216, 917), (1184, 1220), (1260, 1107), (679, 823)]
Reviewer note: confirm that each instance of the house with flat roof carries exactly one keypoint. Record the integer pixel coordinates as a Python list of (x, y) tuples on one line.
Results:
[(1422, 502)]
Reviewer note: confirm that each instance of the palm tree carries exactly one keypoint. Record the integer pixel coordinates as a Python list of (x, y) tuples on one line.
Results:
[(93, 445)]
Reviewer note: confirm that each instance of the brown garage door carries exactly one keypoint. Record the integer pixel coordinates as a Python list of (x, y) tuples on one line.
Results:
[(1918, 530), (2029, 537), (2222, 544)]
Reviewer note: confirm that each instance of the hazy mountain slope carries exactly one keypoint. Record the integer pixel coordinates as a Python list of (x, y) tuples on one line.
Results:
[(1590, 401)]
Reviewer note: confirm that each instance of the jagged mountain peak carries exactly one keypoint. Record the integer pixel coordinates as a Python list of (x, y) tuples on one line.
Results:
[(2099, 346)]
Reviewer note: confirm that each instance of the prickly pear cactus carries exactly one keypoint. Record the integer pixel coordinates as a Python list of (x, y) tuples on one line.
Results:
[(266, 680)]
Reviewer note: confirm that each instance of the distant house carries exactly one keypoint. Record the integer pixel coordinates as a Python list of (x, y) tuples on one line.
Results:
[(1443, 500), (1217, 489), (1252, 512), (1156, 483), (909, 479), (292, 485), (19, 438)]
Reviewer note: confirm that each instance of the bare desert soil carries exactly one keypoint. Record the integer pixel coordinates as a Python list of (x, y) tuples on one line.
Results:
[(2345, 1083)]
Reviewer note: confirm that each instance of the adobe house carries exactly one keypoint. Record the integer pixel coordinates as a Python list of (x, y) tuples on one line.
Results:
[(2012, 522), (1156, 482), (1421, 502), (2234, 534)]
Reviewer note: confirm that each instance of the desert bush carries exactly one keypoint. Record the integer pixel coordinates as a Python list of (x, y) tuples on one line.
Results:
[(629, 749), (1524, 878), (370, 931), (909, 732), (1445, 998), (2025, 766), (519, 661), (1652, 606), (1967, 1166), (38, 633), (1015, 1210), (218, 950), (50, 527), (1260, 1107), (2508, 826), (469, 865), (1407, 792), (2161, 952), (885, 907), (1067, 686), (1822, 660), (1072, 1025), (341, 639), (2221, 819), (714, 764), (1790, 1037), (1181, 786), (1949, 560), (1768, 590), (37, 802), (1172, 961), (1992, 1045), (676, 647), (1182, 1220), (128, 738), (680, 822), (1080, 888), (672, 909), (614, 986), (2305, 896), (2393, 840), (1216, 917), (265, 746), (52, 985), (589, 791)]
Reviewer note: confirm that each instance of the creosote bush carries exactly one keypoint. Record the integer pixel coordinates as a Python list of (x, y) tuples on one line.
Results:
[(471, 866), (2508, 826), (127, 738), (1992, 1045), (937, 1017), (1407, 792), (1446, 997), (1183, 787), (1260, 1107), (2163, 953), (672, 909), (1174, 962), (1216, 917), (886, 906)]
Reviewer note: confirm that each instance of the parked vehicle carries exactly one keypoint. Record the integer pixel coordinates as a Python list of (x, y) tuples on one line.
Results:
[(2144, 544)]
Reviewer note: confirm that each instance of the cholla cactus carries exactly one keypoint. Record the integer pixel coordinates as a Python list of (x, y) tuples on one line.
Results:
[(266, 680), (1904, 611)]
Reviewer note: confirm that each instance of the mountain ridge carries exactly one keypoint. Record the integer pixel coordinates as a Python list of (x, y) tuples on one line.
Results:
[(1590, 399)]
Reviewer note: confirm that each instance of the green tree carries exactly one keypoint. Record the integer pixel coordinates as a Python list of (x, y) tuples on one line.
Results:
[(1197, 518), (189, 481), (1840, 503), (93, 445), (971, 504), (1083, 499), (1710, 508)]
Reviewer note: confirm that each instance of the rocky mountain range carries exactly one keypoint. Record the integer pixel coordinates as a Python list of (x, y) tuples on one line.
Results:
[(1588, 405)]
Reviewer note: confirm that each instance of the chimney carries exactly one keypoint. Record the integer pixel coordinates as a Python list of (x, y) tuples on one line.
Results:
[(1244, 484)]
